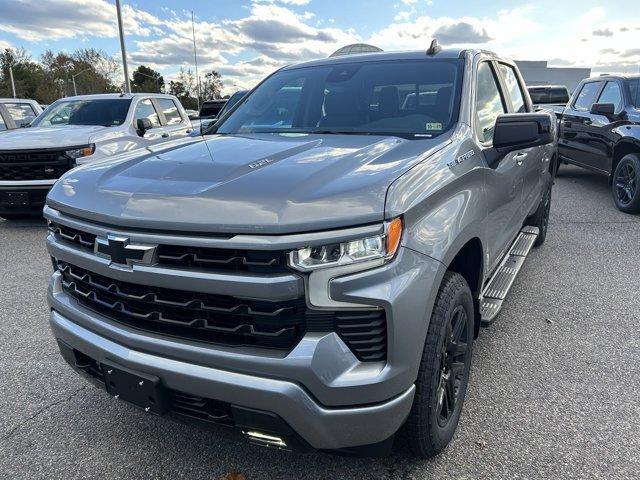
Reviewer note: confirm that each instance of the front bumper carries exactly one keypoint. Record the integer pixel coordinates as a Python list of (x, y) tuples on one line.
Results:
[(36, 193), (320, 427)]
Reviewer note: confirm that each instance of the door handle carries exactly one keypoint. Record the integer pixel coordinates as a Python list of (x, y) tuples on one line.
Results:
[(587, 121), (165, 135), (519, 157)]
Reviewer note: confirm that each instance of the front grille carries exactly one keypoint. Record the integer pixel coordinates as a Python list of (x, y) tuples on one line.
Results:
[(221, 319), (191, 258), (33, 164), (196, 316)]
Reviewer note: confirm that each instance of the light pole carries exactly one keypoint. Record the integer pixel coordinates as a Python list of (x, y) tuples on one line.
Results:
[(195, 58), (123, 49), (73, 79), (13, 84)]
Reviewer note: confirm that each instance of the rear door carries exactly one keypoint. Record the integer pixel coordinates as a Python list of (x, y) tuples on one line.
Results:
[(532, 160), (504, 179), (175, 122), (577, 142), (600, 129)]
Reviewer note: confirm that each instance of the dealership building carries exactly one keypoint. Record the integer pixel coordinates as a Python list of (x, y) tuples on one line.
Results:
[(539, 73)]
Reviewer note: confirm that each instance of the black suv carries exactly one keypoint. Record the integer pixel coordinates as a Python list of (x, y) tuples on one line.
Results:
[(600, 130)]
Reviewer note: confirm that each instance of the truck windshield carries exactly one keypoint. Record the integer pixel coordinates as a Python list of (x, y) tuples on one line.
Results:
[(408, 98), (107, 112), (634, 91)]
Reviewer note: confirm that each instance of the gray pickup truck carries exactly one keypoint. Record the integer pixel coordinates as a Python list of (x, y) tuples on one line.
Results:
[(313, 271)]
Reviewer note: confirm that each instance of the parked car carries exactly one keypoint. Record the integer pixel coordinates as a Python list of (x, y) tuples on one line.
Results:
[(209, 111), (314, 271), (554, 97), (600, 131), (233, 99), (77, 130), (17, 113)]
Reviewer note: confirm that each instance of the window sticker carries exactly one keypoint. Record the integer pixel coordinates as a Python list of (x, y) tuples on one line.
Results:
[(434, 126)]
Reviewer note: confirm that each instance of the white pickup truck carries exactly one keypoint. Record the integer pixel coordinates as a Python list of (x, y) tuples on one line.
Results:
[(76, 130)]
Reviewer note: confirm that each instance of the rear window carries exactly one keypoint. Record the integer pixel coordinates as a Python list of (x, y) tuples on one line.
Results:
[(211, 109), (22, 113), (170, 110), (543, 95)]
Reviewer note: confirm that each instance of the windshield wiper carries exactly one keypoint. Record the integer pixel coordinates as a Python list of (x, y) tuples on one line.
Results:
[(340, 132)]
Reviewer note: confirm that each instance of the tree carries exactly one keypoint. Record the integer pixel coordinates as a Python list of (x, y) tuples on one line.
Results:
[(146, 79), (27, 74), (212, 86), (184, 87)]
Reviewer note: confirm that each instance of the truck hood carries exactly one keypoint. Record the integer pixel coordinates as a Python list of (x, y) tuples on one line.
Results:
[(261, 184), (49, 137)]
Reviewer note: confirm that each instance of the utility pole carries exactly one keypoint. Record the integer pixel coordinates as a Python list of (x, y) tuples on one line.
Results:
[(73, 79), (195, 58), (123, 49), (13, 84)]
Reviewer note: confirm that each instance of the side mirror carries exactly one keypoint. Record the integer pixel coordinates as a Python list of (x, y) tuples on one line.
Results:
[(607, 109), (522, 130), (142, 125)]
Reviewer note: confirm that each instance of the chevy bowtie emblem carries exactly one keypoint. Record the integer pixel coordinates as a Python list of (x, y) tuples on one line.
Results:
[(120, 250)]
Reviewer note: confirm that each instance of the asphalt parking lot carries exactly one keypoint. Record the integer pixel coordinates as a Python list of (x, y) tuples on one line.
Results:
[(554, 393)]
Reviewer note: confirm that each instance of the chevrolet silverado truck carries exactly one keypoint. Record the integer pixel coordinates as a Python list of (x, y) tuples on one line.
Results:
[(77, 130), (313, 271), (600, 131)]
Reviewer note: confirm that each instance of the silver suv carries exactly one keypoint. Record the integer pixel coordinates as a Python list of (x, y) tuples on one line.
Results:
[(314, 270)]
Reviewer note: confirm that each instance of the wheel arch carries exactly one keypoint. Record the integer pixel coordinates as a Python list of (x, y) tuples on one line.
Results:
[(624, 147)]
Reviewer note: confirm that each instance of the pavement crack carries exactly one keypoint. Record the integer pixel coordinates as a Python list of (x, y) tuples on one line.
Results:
[(41, 410)]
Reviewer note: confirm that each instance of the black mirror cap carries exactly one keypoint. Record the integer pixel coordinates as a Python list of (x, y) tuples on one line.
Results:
[(603, 109), (142, 125), (515, 131)]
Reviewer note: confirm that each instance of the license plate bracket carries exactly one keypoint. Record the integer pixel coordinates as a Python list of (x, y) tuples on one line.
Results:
[(141, 389), (17, 199)]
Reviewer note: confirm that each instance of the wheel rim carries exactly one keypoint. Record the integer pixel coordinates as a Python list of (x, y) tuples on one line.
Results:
[(626, 184), (452, 366)]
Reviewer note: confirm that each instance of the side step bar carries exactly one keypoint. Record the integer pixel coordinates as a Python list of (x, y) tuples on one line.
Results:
[(500, 283)]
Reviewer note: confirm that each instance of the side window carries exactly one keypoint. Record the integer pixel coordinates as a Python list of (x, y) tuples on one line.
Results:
[(170, 111), (515, 92), (3, 126), (611, 94), (145, 109), (488, 102), (587, 96), (22, 113)]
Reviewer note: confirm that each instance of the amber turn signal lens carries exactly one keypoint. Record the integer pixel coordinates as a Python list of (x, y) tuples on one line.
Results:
[(394, 234)]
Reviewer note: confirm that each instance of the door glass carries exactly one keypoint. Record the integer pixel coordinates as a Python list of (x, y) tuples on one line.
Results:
[(22, 113), (517, 99), (3, 126), (611, 94), (488, 102), (587, 96), (169, 110), (145, 109)]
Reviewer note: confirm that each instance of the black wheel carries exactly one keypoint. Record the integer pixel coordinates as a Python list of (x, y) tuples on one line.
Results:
[(540, 219), (444, 370), (626, 184)]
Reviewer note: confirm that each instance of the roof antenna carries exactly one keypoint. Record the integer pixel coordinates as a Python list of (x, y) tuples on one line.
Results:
[(434, 47)]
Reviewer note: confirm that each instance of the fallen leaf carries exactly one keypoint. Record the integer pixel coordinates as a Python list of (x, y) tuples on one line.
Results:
[(234, 476), (481, 444)]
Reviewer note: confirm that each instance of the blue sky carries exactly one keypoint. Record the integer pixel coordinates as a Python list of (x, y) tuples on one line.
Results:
[(248, 39)]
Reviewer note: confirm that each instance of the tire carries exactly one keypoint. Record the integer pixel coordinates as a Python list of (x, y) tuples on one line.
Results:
[(433, 418), (540, 218), (626, 184)]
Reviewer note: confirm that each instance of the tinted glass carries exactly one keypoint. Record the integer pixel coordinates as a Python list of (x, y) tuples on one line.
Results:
[(488, 102), (145, 109), (587, 96), (611, 94), (211, 109), (22, 113), (3, 126), (170, 110), (634, 91), (513, 86), (406, 98), (542, 95), (107, 112), (233, 99), (559, 95)]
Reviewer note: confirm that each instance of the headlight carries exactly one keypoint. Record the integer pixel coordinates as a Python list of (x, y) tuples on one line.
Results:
[(346, 253), (75, 153)]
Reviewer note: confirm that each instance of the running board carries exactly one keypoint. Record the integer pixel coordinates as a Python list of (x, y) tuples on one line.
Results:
[(500, 283)]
